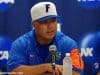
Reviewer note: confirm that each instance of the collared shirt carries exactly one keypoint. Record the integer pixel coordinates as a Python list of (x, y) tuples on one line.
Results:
[(27, 51)]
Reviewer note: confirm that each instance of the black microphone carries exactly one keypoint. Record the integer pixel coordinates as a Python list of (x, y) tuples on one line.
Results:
[(53, 52)]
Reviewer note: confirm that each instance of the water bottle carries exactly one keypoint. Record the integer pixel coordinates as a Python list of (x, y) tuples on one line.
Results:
[(67, 65)]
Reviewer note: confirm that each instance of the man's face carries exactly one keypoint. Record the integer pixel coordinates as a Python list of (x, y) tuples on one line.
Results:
[(46, 29)]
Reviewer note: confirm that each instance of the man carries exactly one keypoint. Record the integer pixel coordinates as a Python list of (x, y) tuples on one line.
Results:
[(30, 52)]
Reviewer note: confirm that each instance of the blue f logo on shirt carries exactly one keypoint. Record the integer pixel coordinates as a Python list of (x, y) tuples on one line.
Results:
[(47, 7)]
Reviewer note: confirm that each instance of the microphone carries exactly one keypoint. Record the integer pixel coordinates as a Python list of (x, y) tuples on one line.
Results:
[(53, 52)]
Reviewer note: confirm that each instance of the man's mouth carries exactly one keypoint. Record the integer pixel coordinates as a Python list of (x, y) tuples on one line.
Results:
[(50, 32)]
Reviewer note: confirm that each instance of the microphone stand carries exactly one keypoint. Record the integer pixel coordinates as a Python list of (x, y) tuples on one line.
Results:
[(53, 64), (54, 55)]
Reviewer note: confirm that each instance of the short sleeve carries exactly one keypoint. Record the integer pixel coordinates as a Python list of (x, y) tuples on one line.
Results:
[(17, 55), (77, 61)]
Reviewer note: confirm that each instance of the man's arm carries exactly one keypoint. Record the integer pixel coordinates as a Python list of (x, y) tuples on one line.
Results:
[(42, 69), (34, 70)]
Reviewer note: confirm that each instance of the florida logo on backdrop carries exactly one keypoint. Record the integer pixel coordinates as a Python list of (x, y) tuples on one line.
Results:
[(5, 4), (5, 46), (90, 46), (90, 52), (86, 45), (91, 4)]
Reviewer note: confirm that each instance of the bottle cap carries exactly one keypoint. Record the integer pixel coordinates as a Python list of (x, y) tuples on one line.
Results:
[(67, 54)]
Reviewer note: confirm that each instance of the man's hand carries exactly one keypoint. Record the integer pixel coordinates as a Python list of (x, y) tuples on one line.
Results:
[(58, 69)]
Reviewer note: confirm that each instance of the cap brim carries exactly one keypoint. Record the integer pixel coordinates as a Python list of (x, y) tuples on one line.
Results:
[(47, 17)]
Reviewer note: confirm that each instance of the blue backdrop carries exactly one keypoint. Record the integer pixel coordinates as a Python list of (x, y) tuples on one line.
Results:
[(76, 19)]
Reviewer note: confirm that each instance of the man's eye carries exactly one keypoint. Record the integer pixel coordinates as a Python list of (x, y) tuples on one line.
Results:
[(53, 20), (43, 22), (47, 21)]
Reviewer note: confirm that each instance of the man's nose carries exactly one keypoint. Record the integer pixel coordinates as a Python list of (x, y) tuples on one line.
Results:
[(50, 25)]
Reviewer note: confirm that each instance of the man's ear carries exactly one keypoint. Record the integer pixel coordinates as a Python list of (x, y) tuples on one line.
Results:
[(34, 24)]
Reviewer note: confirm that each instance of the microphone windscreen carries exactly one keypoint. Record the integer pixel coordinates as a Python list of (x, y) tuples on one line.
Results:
[(52, 48)]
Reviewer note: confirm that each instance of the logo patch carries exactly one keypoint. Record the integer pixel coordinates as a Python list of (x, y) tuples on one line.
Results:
[(47, 7), (5, 4), (91, 4)]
